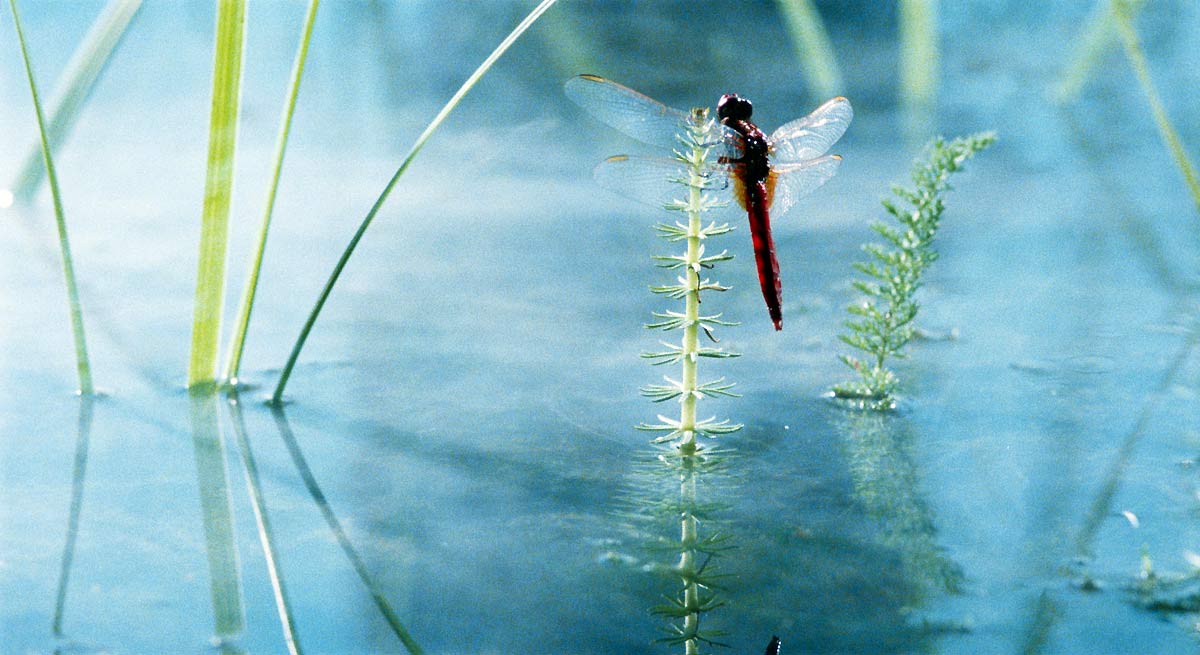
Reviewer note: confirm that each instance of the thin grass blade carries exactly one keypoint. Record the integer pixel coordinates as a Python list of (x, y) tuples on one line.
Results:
[(238, 345), (1123, 12), (75, 85), (277, 396), (218, 192), (82, 363)]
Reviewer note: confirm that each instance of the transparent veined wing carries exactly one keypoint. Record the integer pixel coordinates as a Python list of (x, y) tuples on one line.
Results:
[(660, 182), (796, 180), (813, 135), (633, 113)]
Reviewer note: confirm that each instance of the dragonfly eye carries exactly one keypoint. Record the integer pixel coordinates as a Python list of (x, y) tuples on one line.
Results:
[(731, 106)]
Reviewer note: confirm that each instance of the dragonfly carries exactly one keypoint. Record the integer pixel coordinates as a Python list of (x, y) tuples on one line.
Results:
[(764, 175)]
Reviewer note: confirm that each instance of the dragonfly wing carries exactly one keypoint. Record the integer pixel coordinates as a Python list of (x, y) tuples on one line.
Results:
[(658, 182), (794, 181), (813, 135), (637, 115)]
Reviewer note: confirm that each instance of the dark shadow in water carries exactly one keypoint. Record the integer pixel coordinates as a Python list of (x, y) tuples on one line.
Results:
[(878, 449), (335, 526), (219, 539), (265, 533), (83, 436)]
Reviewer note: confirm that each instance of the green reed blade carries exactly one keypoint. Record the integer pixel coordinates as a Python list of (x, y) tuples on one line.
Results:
[(811, 42), (75, 85), (82, 364), (277, 396), (218, 191), (233, 361), (1122, 11)]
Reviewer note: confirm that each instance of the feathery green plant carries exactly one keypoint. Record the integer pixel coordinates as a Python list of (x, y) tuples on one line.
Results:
[(285, 375), (75, 84), (697, 155), (82, 364), (882, 323), (234, 361), (811, 42), (1123, 12), (218, 192)]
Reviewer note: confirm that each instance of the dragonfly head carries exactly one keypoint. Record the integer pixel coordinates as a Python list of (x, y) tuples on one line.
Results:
[(731, 106)]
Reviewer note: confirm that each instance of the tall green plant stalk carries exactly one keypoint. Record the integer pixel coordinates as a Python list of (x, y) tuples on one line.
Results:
[(1123, 12), (285, 375), (82, 364), (813, 47), (696, 154), (74, 86), (882, 322), (238, 345), (218, 192)]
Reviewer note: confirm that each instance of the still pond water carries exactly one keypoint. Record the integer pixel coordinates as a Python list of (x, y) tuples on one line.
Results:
[(458, 471)]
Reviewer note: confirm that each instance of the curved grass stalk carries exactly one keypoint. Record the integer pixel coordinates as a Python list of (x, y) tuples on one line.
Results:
[(285, 375), (811, 42), (74, 85), (82, 364), (1123, 12), (234, 360), (218, 192)]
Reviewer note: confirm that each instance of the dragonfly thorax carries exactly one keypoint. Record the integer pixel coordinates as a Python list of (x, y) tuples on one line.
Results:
[(732, 107)]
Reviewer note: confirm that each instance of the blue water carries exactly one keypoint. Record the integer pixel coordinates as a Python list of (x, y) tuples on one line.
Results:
[(459, 453)]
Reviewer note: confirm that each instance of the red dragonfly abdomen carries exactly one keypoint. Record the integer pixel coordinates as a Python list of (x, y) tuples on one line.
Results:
[(758, 202)]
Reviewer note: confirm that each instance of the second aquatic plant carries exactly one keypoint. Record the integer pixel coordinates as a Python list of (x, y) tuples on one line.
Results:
[(881, 323)]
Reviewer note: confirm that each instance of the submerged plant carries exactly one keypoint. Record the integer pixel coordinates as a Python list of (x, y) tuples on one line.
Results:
[(882, 323)]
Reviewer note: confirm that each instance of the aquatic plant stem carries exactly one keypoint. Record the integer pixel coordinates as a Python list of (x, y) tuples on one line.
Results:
[(78, 477), (813, 47), (82, 363), (285, 375), (265, 533), (220, 541), (691, 332), (689, 535), (75, 84), (218, 192), (233, 361), (1123, 11)]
